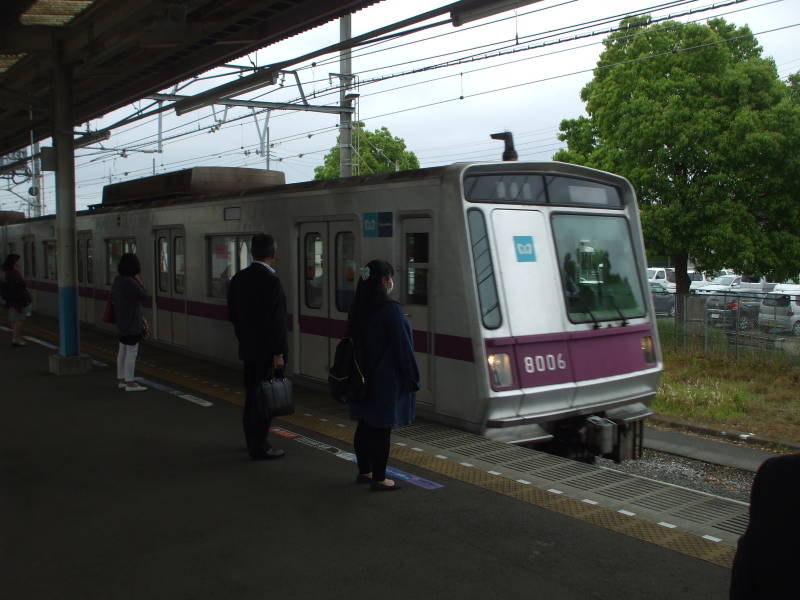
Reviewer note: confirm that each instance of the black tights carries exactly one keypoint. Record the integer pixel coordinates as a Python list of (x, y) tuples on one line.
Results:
[(372, 449)]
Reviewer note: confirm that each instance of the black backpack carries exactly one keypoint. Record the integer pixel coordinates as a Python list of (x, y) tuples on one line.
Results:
[(346, 380)]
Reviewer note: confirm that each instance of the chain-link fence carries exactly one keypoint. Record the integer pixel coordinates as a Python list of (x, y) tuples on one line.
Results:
[(735, 324)]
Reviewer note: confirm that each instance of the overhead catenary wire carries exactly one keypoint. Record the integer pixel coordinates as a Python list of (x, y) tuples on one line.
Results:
[(300, 135)]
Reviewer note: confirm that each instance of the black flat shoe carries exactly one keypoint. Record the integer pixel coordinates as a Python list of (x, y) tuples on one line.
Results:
[(363, 479), (379, 487)]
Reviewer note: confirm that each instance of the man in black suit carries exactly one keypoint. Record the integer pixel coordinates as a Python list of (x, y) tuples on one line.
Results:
[(766, 558), (257, 309)]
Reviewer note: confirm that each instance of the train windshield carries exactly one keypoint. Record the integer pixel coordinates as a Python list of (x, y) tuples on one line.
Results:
[(598, 268)]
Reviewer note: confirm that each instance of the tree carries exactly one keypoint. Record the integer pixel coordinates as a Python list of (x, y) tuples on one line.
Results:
[(709, 136), (377, 152)]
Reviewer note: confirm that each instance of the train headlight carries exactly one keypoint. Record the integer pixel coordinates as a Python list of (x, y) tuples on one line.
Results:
[(500, 370), (649, 350)]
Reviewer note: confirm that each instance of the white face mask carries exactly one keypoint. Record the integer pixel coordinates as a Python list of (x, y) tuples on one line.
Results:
[(391, 286)]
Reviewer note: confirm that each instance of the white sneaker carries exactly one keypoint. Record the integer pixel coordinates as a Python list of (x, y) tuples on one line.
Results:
[(135, 387)]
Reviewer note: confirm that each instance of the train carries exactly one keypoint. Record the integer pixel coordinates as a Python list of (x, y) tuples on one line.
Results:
[(524, 283)]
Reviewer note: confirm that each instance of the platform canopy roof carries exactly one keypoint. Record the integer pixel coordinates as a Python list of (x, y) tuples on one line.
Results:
[(122, 50)]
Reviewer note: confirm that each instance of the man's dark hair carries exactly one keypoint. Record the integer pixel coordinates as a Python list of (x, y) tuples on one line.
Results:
[(262, 246), (129, 265)]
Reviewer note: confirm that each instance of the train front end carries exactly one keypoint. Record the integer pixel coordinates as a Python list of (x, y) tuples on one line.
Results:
[(566, 325)]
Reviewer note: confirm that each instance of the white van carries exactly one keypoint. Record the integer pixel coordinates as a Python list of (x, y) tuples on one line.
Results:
[(780, 309), (662, 275)]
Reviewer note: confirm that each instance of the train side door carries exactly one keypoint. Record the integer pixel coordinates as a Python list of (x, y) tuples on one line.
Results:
[(169, 286), (313, 313), (415, 290)]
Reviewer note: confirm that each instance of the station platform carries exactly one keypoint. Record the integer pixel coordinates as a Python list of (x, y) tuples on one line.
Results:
[(108, 494)]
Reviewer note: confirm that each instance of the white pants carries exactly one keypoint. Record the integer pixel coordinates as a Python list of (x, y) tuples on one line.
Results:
[(126, 361)]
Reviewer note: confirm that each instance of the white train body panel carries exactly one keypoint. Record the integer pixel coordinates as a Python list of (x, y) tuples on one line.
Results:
[(563, 358)]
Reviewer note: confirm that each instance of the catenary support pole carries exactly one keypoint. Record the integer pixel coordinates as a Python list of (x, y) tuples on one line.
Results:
[(345, 119)]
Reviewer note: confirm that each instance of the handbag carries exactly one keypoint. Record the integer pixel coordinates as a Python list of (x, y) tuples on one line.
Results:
[(108, 313), (276, 396)]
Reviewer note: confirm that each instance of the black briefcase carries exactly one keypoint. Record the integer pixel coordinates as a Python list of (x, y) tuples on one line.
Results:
[(276, 396)]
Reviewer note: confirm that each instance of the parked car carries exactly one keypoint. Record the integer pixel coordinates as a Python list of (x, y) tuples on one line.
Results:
[(662, 275), (697, 280), (780, 309), (722, 284), (735, 311), (663, 299)]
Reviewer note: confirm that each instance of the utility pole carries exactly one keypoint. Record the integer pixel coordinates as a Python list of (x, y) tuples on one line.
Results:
[(345, 118)]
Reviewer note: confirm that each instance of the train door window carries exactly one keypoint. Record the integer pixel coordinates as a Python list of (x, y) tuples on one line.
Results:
[(163, 264), (89, 262), (221, 265), (80, 260), (244, 253), (50, 261), (179, 255), (345, 270), (417, 261), (484, 270), (315, 269), (115, 248)]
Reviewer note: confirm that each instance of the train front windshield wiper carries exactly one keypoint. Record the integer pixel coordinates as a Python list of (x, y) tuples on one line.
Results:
[(619, 312)]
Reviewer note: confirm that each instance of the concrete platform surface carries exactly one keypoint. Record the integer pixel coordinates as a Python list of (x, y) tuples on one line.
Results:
[(114, 495)]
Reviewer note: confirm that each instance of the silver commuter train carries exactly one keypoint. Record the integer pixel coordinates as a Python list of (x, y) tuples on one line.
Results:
[(524, 282)]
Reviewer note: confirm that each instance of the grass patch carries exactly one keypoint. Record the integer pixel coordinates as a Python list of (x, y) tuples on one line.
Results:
[(705, 383)]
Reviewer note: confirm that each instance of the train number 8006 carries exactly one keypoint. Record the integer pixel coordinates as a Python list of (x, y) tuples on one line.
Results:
[(544, 362)]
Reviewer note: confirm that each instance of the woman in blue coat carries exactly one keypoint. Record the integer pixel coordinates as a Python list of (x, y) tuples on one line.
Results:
[(385, 350)]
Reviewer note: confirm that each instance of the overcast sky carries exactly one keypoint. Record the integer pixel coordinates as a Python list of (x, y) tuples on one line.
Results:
[(528, 92)]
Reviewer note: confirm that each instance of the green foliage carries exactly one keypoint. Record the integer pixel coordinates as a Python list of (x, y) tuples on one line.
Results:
[(708, 134), (377, 152)]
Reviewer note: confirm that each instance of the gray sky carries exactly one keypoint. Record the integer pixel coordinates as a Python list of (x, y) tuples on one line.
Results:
[(528, 92)]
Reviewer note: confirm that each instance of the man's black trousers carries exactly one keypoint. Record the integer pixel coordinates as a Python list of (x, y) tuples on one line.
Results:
[(254, 421)]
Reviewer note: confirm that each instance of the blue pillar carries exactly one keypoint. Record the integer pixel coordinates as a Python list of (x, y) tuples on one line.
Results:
[(69, 338)]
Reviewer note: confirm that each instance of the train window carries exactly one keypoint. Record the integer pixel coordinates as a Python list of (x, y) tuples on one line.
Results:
[(566, 191), (80, 260), (598, 268), (114, 250), (89, 262), (416, 289), (163, 264), (345, 270), (33, 259), (26, 260), (50, 260), (484, 270), (179, 255), (315, 270), (505, 187)]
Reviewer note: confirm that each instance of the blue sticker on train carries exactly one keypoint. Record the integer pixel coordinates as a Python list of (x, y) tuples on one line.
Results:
[(377, 224), (370, 225), (523, 246)]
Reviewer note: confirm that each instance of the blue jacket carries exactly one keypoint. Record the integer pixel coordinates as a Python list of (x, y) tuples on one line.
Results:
[(387, 354)]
